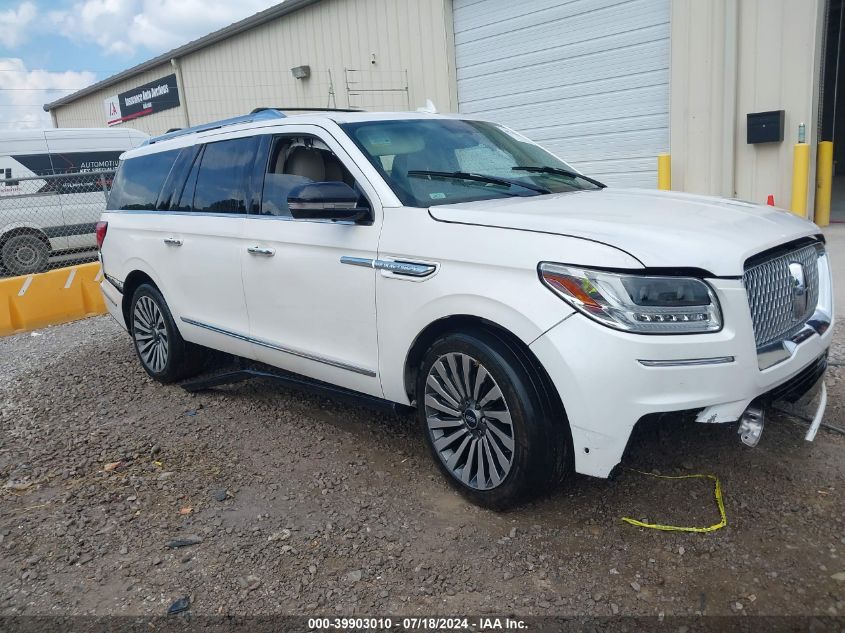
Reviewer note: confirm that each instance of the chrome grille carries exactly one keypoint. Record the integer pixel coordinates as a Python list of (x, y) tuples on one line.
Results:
[(770, 288)]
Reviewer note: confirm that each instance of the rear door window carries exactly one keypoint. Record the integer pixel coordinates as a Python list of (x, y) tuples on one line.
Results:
[(221, 185), (139, 180), (173, 186), (184, 201)]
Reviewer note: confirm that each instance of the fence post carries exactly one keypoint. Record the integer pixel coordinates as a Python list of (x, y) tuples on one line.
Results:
[(105, 189)]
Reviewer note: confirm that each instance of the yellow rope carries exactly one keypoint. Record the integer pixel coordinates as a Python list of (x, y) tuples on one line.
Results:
[(674, 528)]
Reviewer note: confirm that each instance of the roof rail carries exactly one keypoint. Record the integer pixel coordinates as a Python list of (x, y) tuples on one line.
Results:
[(260, 114), (298, 109)]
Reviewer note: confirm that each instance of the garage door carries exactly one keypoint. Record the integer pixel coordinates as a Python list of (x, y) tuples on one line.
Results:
[(589, 79)]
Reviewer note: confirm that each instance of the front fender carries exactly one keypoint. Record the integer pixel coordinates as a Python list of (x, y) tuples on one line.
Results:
[(400, 328)]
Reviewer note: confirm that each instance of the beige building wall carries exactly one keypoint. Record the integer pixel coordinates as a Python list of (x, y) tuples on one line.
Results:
[(371, 54), (729, 58), (89, 111)]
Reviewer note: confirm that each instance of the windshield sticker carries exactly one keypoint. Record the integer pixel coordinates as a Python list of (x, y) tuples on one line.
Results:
[(437, 196)]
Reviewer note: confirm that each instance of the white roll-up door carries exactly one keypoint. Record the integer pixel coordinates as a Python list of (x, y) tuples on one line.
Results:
[(589, 79)]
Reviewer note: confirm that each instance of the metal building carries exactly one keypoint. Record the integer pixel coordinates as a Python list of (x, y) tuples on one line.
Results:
[(372, 54), (607, 84)]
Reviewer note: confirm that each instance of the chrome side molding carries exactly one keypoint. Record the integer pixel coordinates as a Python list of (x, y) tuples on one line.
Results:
[(397, 267), (357, 261), (687, 362), (412, 269), (281, 348)]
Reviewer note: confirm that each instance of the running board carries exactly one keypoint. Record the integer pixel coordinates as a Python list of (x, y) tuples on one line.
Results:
[(297, 382)]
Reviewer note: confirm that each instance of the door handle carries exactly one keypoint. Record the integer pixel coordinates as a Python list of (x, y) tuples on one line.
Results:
[(172, 241), (258, 250)]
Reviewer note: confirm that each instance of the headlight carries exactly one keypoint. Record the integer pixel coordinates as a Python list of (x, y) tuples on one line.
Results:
[(636, 303)]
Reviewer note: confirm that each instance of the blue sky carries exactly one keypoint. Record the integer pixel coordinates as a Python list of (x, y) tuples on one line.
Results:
[(49, 47)]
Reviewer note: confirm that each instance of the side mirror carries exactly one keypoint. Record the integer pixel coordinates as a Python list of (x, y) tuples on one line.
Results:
[(325, 201)]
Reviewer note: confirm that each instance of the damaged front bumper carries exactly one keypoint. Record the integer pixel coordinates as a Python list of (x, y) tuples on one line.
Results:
[(803, 396), (609, 380)]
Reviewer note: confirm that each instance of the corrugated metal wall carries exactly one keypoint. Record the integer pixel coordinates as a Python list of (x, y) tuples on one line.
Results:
[(409, 41), (772, 62), (587, 78)]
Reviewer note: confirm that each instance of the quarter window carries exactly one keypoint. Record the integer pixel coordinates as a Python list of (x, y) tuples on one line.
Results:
[(221, 179), (139, 180)]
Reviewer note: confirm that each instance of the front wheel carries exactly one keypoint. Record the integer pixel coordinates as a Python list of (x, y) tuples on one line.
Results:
[(163, 353), (489, 420)]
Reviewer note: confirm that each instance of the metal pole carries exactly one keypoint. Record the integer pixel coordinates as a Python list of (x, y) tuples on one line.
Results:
[(105, 189), (824, 183), (800, 174), (664, 172)]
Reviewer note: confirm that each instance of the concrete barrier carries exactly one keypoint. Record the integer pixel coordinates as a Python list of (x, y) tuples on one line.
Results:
[(57, 296)]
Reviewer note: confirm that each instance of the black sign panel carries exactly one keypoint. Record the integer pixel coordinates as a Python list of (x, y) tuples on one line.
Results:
[(69, 162), (92, 163), (150, 98)]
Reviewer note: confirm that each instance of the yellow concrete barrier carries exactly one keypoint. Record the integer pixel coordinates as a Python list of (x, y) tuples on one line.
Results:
[(824, 182), (664, 172), (57, 296), (800, 175)]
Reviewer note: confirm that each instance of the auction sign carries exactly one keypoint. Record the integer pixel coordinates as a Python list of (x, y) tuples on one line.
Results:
[(155, 96)]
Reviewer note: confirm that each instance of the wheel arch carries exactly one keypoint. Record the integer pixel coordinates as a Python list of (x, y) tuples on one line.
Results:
[(468, 323), (133, 280)]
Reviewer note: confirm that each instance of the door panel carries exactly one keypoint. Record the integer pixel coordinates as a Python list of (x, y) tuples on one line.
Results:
[(199, 243), (309, 313), (198, 255)]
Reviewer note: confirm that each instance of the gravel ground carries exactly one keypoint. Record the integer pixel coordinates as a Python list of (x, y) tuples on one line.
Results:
[(300, 505)]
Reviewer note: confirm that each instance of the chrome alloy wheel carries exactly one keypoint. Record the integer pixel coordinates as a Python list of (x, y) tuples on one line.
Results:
[(469, 421), (150, 334)]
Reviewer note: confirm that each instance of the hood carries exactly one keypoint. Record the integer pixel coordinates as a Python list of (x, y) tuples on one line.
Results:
[(659, 228)]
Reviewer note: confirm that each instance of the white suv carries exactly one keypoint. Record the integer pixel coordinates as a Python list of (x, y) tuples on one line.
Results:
[(531, 315)]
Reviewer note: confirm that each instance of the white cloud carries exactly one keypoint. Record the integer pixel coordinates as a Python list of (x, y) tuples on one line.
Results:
[(125, 27), (14, 24), (25, 90)]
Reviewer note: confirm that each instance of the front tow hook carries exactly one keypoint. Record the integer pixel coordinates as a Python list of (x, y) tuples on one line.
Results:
[(751, 425)]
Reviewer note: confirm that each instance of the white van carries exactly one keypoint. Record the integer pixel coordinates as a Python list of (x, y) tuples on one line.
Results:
[(54, 216)]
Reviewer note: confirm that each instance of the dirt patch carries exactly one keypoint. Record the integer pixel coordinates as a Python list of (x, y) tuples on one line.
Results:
[(307, 506)]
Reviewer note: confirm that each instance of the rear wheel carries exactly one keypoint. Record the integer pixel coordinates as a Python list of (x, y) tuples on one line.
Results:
[(163, 353), (489, 421), (25, 254)]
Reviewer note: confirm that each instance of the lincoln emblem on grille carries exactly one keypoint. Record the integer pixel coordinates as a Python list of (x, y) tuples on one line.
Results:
[(799, 290)]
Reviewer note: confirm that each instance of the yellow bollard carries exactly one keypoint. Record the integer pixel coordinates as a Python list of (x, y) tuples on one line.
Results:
[(664, 172), (824, 182), (800, 175)]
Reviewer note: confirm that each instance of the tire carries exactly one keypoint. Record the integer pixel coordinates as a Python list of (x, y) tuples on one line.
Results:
[(162, 351), (514, 438), (25, 254)]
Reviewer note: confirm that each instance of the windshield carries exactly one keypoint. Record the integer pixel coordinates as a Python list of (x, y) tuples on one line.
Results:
[(442, 161)]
